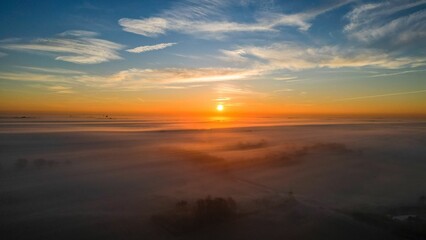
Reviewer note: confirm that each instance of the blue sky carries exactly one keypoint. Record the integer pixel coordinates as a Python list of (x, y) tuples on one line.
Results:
[(287, 53)]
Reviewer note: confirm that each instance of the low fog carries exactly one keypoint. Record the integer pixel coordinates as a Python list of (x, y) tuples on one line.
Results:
[(121, 180)]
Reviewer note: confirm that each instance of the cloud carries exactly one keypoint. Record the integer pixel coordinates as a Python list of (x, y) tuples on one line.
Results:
[(148, 48), (78, 33), (382, 95), (230, 89), (152, 27), (188, 56), (134, 79), (302, 20), (284, 90), (222, 99), (2, 54), (236, 55), (398, 73), (211, 19), (298, 57), (149, 27), (227, 91), (397, 22), (79, 47), (31, 77), (9, 40), (285, 78), (52, 70), (40, 74), (61, 89)]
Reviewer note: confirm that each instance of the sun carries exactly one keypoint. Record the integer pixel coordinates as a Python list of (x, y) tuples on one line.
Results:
[(219, 107)]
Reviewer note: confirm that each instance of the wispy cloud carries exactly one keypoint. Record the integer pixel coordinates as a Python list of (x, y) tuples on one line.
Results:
[(32, 77), (209, 18), (397, 21), (134, 79), (397, 73), (78, 33), (381, 95), (2, 54), (149, 27), (51, 70), (148, 48), (225, 90), (233, 95), (298, 57), (188, 56), (9, 40), (152, 27), (284, 90), (222, 99), (61, 89), (42, 75), (285, 78), (80, 47)]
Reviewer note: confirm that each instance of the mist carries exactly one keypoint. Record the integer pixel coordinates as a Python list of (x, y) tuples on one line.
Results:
[(112, 180)]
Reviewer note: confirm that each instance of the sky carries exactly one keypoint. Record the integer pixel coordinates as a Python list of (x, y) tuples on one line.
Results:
[(188, 56)]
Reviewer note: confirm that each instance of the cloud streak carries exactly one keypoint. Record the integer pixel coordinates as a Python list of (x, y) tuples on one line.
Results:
[(52, 70), (81, 47), (148, 48), (397, 73), (382, 95), (61, 89), (397, 22), (32, 77), (134, 79), (299, 57), (209, 19), (227, 91)]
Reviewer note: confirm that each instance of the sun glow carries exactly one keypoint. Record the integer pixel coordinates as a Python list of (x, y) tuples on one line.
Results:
[(219, 107)]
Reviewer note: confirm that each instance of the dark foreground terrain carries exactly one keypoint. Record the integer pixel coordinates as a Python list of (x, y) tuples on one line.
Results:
[(122, 179)]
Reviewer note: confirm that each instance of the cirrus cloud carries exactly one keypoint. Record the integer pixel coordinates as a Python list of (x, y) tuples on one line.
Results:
[(134, 79), (81, 47), (148, 48), (396, 22), (298, 57), (210, 19)]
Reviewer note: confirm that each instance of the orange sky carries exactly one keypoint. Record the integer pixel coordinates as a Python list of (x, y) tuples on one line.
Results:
[(294, 57)]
